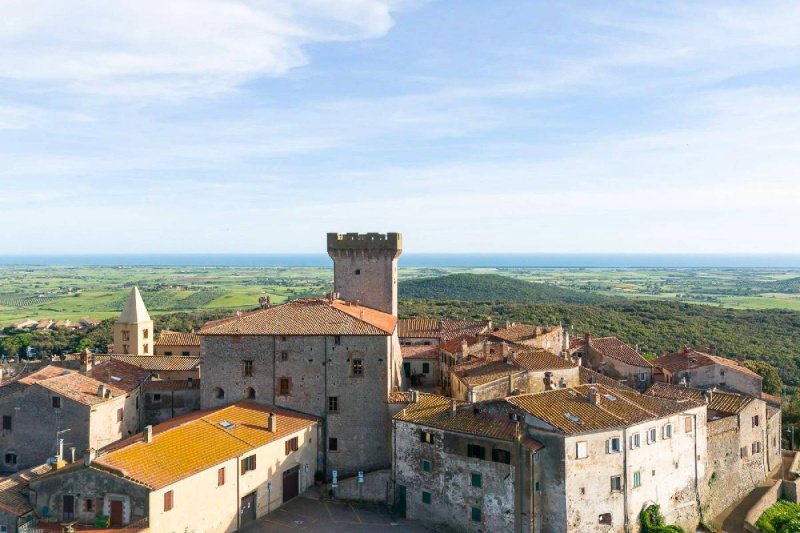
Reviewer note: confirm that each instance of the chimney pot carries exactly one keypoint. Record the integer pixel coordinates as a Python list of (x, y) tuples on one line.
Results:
[(148, 434), (594, 396), (453, 406), (587, 339), (272, 423), (89, 456)]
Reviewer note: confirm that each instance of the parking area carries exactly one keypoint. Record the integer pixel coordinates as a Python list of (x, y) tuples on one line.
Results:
[(309, 513)]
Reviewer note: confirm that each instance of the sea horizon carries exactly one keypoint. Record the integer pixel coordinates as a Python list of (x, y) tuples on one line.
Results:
[(416, 260)]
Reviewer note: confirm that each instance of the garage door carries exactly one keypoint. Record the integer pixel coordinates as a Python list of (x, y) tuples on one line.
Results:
[(291, 483)]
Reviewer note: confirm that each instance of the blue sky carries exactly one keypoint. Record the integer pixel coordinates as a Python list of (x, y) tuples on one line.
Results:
[(470, 126)]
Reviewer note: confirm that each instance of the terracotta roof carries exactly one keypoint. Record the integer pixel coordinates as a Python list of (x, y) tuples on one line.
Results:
[(118, 377), (186, 446), (444, 330), (398, 397), (156, 385), (689, 358), (119, 374), (518, 332), (177, 338), (589, 376), (154, 362), (453, 346), (420, 352), (570, 411), (772, 399), (435, 411), (306, 317), (482, 370), (47, 372), (616, 349), (453, 328), (540, 360), (723, 402), (13, 490)]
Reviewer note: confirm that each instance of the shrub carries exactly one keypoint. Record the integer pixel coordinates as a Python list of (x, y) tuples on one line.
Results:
[(782, 517), (653, 521)]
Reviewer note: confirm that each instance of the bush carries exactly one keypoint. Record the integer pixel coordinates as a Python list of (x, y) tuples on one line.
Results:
[(782, 517), (653, 521), (102, 520)]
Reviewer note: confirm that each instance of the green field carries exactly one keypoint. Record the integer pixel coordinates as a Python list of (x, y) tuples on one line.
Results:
[(99, 292)]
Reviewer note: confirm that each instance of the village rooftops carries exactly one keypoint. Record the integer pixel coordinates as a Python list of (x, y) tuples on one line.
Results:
[(310, 316), (614, 348), (453, 346), (154, 362), (14, 490), (689, 358), (420, 351), (482, 370), (177, 338), (589, 377), (725, 403), (437, 412), (190, 444), (519, 332), (571, 411), (444, 330)]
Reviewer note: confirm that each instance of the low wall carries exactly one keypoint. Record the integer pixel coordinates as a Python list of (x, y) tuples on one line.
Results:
[(795, 467), (376, 487), (765, 502)]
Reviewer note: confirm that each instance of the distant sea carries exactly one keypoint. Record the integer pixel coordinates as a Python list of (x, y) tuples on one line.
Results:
[(422, 260)]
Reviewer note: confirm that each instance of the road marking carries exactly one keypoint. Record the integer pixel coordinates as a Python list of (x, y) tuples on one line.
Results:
[(355, 513)]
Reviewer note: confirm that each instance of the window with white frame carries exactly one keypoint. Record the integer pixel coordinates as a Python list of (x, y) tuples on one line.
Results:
[(651, 435), (642, 376), (582, 450), (667, 431), (614, 445), (616, 483), (637, 479), (636, 440)]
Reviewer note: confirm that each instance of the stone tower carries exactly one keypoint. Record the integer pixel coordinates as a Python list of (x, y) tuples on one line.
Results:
[(365, 268), (133, 332)]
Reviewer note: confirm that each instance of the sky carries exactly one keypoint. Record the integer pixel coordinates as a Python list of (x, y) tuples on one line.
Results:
[(213, 126)]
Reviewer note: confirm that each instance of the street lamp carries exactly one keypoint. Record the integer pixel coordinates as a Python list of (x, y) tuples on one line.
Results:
[(790, 431)]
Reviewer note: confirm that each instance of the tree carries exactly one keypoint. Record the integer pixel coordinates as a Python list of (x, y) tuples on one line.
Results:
[(771, 383)]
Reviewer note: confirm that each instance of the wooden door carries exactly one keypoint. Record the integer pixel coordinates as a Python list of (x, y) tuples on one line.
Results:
[(68, 507), (291, 483), (116, 512), (248, 510)]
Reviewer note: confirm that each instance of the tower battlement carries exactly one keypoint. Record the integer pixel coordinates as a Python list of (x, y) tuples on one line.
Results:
[(390, 242)]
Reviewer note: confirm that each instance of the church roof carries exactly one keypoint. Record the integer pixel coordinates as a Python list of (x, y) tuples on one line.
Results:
[(134, 311)]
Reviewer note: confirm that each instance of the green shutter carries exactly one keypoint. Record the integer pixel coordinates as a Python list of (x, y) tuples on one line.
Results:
[(476, 514), (476, 479)]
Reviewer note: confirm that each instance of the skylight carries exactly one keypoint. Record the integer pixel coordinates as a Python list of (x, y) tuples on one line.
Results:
[(610, 397), (572, 418), (226, 424), (115, 378)]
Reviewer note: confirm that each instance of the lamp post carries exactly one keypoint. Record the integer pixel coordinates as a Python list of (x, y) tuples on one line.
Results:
[(790, 431)]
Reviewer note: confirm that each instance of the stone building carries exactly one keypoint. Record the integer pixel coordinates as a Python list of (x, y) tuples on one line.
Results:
[(609, 453), (511, 370), (16, 511), (212, 471), (456, 351), (611, 356), (463, 467), (133, 332), (89, 409), (702, 370), (743, 442), (177, 343), (166, 399), (421, 365)]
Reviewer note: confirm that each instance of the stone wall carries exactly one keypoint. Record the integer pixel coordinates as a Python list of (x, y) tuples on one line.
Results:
[(161, 405), (377, 487)]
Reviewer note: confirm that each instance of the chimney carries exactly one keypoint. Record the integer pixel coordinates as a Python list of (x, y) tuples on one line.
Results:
[(472, 396), (712, 348), (510, 384), (89, 456), (264, 302), (708, 395), (587, 339), (489, 326), (464, 347), (72, 454), (412, 396), (86, 361), (101, 391), (148, 434), (272, 424), (594, 396), (453, 406), (686, 349), (740, 360), (485, 348)]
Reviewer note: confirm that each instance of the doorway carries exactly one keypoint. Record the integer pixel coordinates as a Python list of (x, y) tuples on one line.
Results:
[(68, 507), (291, 483), (248, 510), (115, 511)]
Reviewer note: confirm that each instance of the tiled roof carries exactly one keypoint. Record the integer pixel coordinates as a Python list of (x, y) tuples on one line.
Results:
[(156, 385), (616, 349), (177, 338), (690, 358), (772, 399), (398, 397), (306, 317), (119, 375), (186, 446), (482, 370), (453, 328), (453, 346), (539, 360), (589, 376), (420, 352), (47, 372), (444, 330), (13, 490), (722, 402), (570, 411), (435, 411), (154, 362), (518, 332)]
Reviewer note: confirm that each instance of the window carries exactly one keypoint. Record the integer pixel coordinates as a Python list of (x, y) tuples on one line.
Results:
[(651, 435), (642, 376), (616, 483), (167, 353), (426, 465), (476, 451), (250, 393), (126, 335), (7, 422), (743, 452), (582, 450), (248, 464), (125, 349), (426, 368), (145, 348), (426, 497), (536, 487), (476, 479), (755, 421), (687, 424), (221, 476), (358, 272), (501, 456), (358, 367), (56, 402), (337, 340), (11, 459), (333, 444), (185, 354), (756, 447), (156, 398), (636, 440), (604, 519), (247, 368), (169, 501), (426, 437), (145, 333), (333, 404), (219, 393), (476, 514), (668, 431), (291, 445), (284, 386), (88, 505), (637, 479), (614, 445), (284, 355), (120, 414)]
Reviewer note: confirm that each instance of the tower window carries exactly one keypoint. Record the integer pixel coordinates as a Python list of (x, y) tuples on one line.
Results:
[(146, 333), (247, 368), (333, 404), (333, 444), (250, 393), (358, 367), (146, 349), (126, 335), (219, 393), (284, 386), (358, 272)]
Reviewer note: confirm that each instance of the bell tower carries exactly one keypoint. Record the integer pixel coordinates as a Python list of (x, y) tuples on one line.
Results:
[(365, 268), (133, 332)]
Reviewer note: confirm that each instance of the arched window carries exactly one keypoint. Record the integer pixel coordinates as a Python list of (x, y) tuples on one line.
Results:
[(219, 393), (250, 393)]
